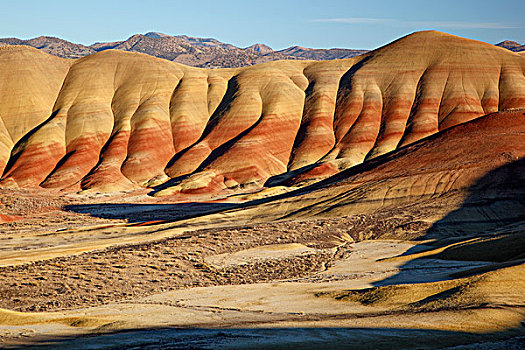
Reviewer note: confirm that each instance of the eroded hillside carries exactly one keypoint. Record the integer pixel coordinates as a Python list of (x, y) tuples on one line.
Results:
[(116, 120)]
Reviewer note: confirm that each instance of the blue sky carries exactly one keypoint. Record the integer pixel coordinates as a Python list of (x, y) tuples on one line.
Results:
[(321, 23)]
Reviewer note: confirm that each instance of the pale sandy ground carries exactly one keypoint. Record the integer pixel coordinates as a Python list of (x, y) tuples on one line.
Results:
[(316, 308), (279, 314)]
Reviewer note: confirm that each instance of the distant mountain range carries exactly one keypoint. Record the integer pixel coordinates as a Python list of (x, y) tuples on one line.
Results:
[(197, 52), (511, 45)]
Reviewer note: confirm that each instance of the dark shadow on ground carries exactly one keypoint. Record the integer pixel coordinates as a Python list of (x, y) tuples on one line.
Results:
[(179, 211), (148, 212), (287, 338)]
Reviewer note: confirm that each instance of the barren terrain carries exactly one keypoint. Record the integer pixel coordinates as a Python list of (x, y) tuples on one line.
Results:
[(372, 202)]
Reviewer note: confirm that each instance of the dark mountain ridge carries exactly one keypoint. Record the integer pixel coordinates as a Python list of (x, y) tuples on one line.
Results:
[(192, 51), (198, 52), (511, 45)]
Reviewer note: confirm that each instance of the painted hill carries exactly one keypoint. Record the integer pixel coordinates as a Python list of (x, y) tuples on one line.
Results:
[(117, 120), (198, 52), (434, 174)]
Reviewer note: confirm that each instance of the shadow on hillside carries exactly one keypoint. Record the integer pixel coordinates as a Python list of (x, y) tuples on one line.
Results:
[(495, 201), (493, 212)]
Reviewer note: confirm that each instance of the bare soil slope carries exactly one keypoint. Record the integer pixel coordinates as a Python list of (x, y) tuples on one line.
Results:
[(123, 120)]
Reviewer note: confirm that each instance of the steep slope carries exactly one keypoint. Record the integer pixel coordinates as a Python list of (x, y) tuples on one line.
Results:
[(434, 180), (124, 120), (29, 83)]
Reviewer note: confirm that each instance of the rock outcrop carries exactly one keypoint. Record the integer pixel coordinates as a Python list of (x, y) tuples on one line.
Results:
[(123, 120)]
